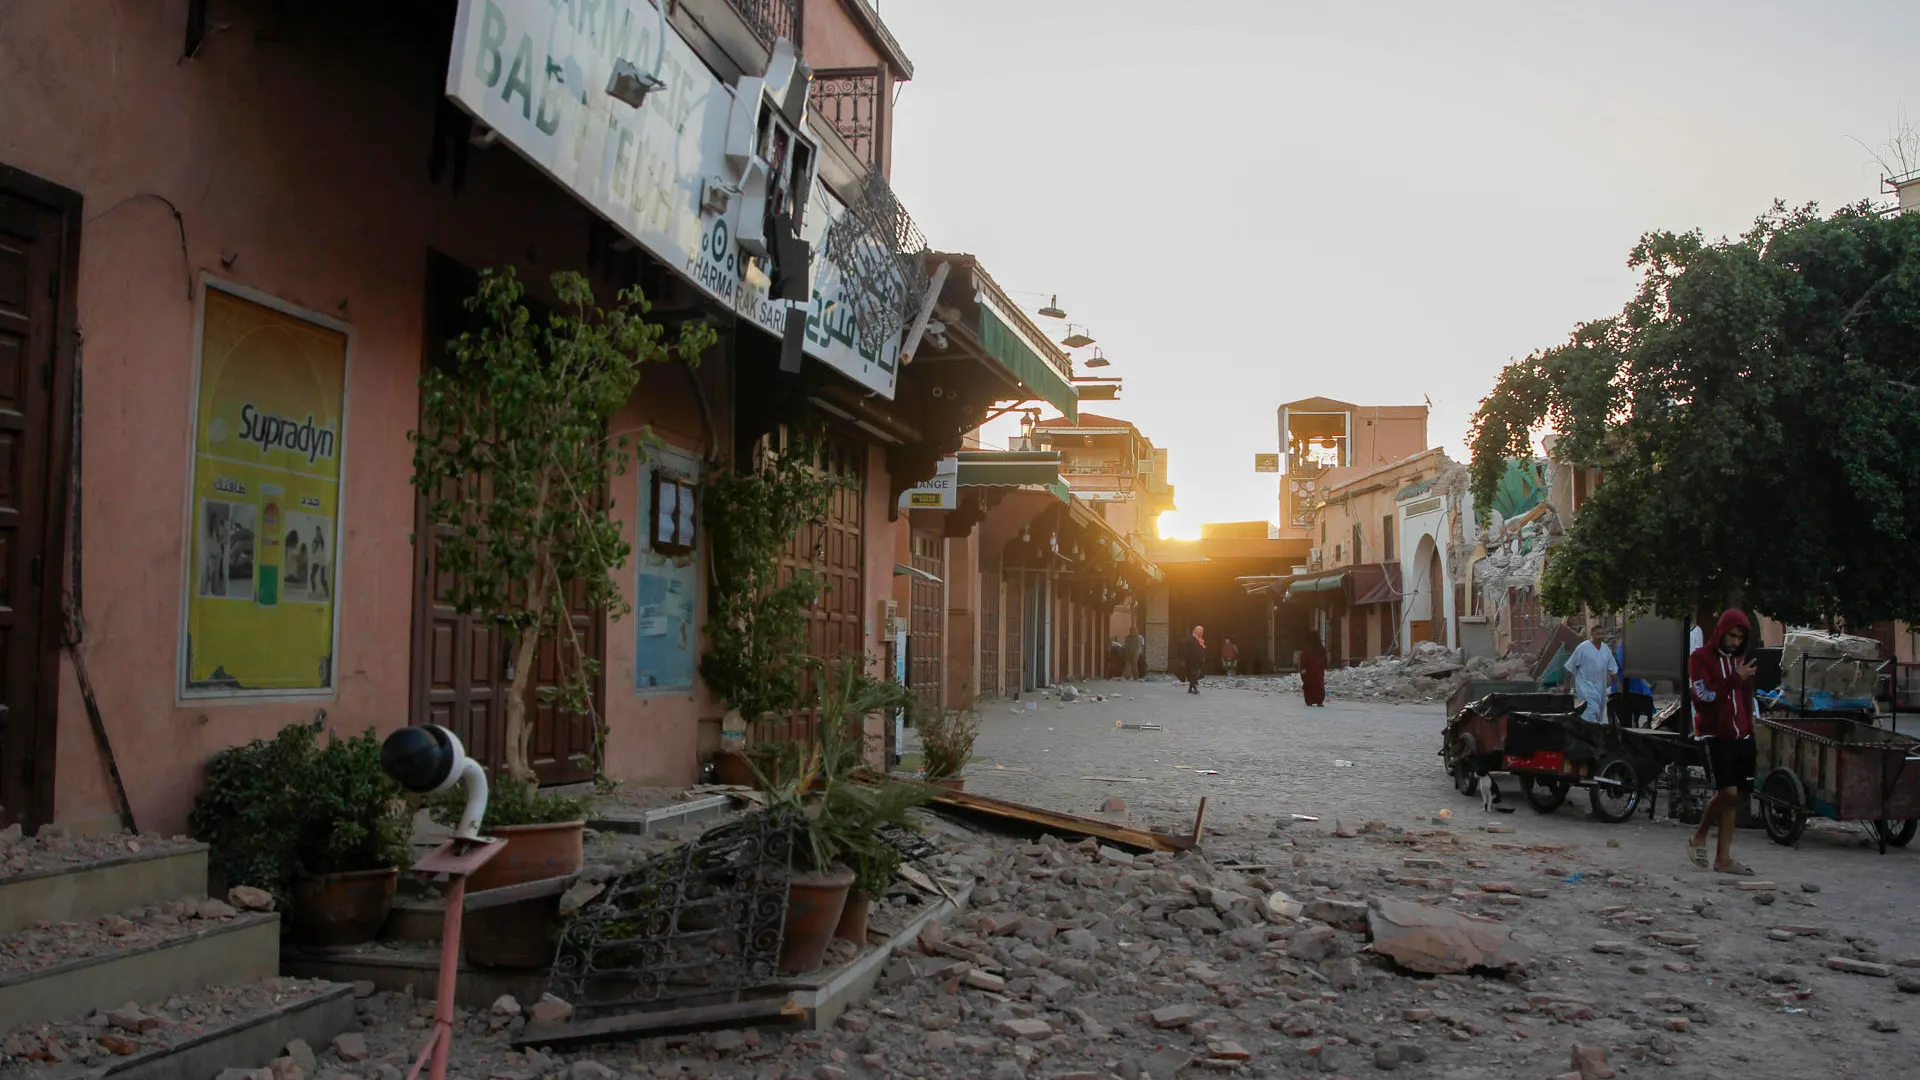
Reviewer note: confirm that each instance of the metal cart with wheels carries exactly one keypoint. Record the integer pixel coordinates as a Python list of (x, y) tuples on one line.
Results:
[(1839, 769)]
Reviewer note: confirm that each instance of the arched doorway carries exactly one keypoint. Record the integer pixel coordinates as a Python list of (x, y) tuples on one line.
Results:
[(1426, 603)]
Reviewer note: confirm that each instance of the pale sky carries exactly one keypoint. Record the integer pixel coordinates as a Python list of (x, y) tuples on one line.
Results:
[(1254, 201)]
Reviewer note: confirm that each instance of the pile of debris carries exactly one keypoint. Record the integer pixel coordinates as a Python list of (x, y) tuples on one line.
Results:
[(1431, 674)]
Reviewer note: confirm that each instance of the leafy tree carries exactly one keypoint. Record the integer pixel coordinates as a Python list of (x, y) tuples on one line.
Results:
[(757, 650), (514, 454), (1755, 409)]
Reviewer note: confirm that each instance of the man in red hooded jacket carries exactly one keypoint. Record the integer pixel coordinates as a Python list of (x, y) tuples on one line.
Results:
[(1720, 677)]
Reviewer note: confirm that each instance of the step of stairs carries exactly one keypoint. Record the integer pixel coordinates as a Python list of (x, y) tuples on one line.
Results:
[(190, 1036), (71, 969), (147, 875), (113, 962)]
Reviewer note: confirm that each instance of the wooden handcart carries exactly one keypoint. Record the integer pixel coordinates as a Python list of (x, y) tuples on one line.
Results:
[(1839, 769), (1550, 749)]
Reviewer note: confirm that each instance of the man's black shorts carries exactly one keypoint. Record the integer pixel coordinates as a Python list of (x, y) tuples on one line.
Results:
[(1732, 763)]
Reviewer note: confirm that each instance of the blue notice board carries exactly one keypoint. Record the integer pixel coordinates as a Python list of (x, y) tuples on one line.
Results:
[(666, 633)]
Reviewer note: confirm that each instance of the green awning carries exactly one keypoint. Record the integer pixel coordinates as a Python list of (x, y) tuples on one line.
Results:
[(1010, 348), (1061, 491), (1008, 468), (1324, 583)]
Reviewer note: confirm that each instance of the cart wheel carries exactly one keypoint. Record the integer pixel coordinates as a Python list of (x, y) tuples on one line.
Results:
[(1896, 833), (1466, 779), (1783, 807), (1546, 796), (1615, 793)]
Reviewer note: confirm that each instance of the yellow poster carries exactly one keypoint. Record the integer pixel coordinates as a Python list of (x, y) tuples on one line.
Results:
[(266, 502)]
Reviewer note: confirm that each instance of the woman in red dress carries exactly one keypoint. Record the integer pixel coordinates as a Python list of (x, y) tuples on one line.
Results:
[(1313, 672)]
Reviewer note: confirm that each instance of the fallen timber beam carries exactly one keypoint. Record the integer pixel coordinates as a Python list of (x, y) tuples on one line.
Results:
[(1033, 818), (761, 1012)]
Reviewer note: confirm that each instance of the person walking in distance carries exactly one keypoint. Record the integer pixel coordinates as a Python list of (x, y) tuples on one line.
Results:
[(1313, 672), (1720, 677), (1229, 655), (1134, 647), (1196, 658), (1594, 671)]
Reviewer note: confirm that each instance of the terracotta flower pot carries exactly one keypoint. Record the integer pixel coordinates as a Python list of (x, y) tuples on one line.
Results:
[(815, 903), (951, 783), (733, 767), (533, 852), (853, 920), (521, 935), (341, 909)]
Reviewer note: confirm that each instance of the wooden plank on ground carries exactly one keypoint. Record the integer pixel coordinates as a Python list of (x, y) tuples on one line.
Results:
[(760, 1012), (1054, 821), (513, 894)]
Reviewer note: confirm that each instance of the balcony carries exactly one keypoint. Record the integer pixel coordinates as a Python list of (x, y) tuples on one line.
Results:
[(849, 100), (1093, 468), (770, 20)]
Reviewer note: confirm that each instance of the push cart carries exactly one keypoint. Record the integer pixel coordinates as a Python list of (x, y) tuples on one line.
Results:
[(1839, 769), (1550, 749)]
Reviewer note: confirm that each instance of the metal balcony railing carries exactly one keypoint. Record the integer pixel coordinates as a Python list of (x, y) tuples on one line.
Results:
[(850, 101), (771, 20)]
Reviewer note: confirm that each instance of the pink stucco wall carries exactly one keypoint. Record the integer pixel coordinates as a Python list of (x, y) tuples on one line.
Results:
[(298, 167)]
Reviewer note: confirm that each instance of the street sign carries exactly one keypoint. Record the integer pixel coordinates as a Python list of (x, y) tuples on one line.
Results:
[(1266, 463)]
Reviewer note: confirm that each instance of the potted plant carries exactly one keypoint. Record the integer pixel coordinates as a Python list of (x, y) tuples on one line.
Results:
[(320, 829), (353, 841), (514, 454), (756, 659), (946, 745), (545, 837), (839, 810)]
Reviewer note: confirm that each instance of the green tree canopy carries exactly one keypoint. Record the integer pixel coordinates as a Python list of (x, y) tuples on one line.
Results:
[(1756, 411)]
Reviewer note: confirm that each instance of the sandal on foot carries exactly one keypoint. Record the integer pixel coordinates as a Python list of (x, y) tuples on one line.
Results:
[(1736, 869), (1697, 853)]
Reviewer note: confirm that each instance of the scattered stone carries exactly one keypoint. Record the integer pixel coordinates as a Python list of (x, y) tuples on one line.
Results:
[(1679, 1024), (117, 925), (1227, 1050), (981, 980), (505, 1005), (1610, 948), (1859, 967), (1281, 908), (1590, 1062), (1809, 887), (303, 1056), (351, 1047), (1755, 886), (118, 1045), (1115, 857), (1031, 1030), (550, 1010), (1886, 1024), (1436, 941), (216, 909), (1113, 805), (1166, 1063), (1173, 1016), (1908, 984), (1345, 914), (1315, 943), (248, 898), (1779, 935), (593, 1070), (133, 1020)]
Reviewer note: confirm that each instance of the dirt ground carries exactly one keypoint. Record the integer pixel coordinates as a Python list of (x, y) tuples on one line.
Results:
[(1077, 963)]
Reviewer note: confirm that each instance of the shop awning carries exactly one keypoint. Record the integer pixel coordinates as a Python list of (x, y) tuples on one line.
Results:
[(1374, 583), (1009, 346), (1319, 584), (1009, 468)]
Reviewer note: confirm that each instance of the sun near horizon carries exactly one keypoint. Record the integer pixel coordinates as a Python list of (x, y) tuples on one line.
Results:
[(1174, 526)]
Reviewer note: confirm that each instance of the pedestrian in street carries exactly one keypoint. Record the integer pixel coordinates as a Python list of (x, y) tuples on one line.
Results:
[(1313, 673), (1229, 655), (1720, 676), (1594, 672), (1134, 647), (1196, 657)]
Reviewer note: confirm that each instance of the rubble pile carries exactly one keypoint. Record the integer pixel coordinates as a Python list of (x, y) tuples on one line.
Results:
[(1431, 674)]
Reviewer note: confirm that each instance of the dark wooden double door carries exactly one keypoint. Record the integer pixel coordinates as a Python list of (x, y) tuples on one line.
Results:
[(39, 249), (460, 664)]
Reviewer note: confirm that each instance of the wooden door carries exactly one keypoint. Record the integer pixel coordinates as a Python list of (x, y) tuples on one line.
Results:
[(926, 630), (833, 548), (989, 634), (39, 234), (459, 663), (1013, 609)]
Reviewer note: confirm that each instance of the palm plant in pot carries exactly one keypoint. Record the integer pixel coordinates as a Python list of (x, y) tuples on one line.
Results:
[(319, 828), (839, 811), (514, 453)]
